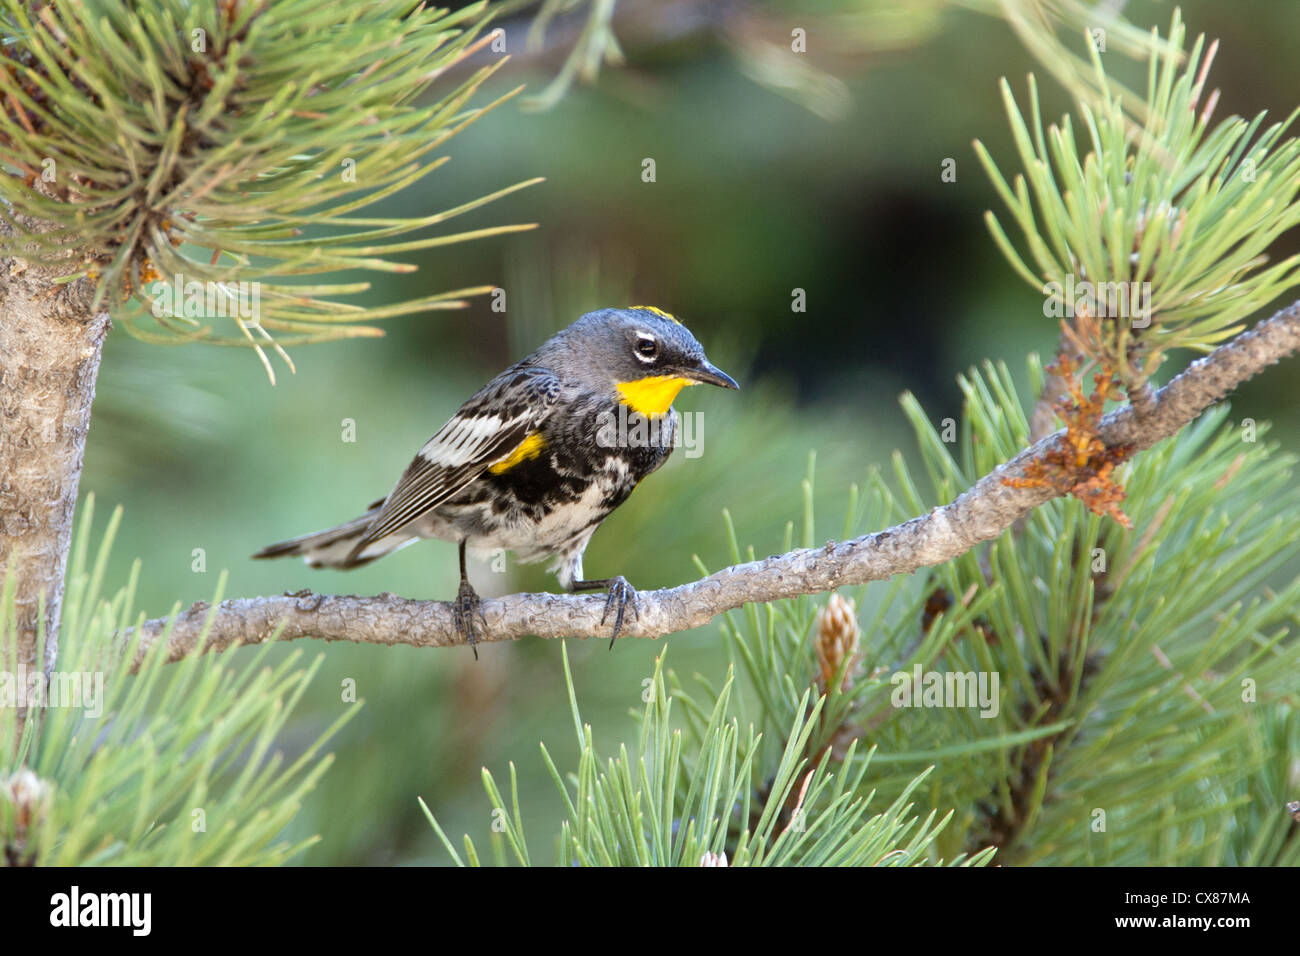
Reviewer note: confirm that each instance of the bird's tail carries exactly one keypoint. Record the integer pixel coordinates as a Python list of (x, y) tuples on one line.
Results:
[(335, 547)]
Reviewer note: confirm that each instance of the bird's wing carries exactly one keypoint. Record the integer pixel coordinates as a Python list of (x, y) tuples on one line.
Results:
[(486, 429)]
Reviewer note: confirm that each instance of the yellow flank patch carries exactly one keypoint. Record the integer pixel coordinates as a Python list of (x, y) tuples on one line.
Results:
[(529, 448), (659, 312), (653, 395)]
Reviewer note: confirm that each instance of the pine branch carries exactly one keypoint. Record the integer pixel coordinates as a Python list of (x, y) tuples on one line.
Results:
[(185, 163), (176, 766), (979, 514), (812, 812)]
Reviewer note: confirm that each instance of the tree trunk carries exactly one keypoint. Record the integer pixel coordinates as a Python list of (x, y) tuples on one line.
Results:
[(50, 347)]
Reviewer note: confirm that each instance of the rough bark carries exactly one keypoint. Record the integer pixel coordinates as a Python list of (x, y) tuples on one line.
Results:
[(981, 513), (50, 348)]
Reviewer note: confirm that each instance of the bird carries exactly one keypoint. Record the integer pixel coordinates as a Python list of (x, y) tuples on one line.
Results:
[(536, 459)]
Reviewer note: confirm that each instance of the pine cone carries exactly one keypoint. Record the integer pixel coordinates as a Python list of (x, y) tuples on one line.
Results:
[(837, 640)]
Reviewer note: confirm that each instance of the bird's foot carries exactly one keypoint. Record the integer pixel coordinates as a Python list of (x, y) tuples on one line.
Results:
[(467, 607), (622, 596)]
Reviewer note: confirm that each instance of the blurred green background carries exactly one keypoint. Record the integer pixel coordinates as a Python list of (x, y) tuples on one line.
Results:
[(755, 196)]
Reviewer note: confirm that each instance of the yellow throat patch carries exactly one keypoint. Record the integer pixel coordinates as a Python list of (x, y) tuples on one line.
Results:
[(654, 395), (527, 449)]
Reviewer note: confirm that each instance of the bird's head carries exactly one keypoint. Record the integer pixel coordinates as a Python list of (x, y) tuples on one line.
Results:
[(645, 354)]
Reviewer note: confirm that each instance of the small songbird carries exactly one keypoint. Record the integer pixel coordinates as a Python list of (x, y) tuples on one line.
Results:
[(538, 458)]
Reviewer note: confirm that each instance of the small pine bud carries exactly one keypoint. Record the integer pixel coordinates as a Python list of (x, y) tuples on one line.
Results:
[(836, 639), (713, 859), (28, 796)]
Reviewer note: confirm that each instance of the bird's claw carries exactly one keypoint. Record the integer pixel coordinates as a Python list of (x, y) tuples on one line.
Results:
[(467, 606), (621, 595)]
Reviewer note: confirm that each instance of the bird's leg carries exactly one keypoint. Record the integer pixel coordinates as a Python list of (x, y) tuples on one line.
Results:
[(468, 606), (621, 595)]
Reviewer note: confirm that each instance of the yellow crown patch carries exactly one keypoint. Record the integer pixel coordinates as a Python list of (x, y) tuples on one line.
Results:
[(659, 312)]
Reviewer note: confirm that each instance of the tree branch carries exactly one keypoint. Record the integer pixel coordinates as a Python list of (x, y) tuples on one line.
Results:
[(979, 514), (50, 346)]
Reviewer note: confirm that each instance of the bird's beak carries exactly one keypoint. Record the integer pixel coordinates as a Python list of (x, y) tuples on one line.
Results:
[(709, 374)]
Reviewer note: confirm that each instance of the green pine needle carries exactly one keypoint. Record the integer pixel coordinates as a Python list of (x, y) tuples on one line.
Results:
[(228, 146)]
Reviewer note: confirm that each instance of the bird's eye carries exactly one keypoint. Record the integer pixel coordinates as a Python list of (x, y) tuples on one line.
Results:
[(647, 348)]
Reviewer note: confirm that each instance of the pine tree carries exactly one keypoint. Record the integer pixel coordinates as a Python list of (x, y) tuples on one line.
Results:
[(182, 171), (1143, 711), (1088, 661)]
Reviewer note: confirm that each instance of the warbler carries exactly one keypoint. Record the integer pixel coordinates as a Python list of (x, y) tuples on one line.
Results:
[(537, 458)]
